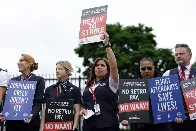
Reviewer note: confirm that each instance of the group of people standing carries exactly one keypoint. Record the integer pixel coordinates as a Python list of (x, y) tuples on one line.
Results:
[(185, 71), (99, 95)]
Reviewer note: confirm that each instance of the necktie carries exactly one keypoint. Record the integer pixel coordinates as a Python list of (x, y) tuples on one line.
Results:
[(183, 73), (183, 78)]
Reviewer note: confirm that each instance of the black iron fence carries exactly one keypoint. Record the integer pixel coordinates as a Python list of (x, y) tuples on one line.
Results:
[(51, 79), (76, 79)]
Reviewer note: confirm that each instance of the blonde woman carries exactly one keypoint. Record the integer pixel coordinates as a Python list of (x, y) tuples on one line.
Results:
[(61, 90)]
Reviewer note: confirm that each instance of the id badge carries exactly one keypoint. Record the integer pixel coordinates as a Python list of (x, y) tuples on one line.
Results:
[(97, 109)]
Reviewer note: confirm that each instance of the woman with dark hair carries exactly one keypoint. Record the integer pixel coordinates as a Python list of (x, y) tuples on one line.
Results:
[(99, 96), (26, 66), (148, 70)]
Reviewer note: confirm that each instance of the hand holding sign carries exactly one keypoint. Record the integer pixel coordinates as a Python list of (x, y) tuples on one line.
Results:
[(105, 38), (28, 120), (125, 123), (83, 112), (178, 120), (1, 118)]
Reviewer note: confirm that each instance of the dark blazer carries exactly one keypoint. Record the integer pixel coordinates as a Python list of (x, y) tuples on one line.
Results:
[(38, 98)]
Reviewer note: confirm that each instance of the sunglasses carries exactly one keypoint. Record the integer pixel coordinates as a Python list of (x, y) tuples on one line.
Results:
[(146, 68)]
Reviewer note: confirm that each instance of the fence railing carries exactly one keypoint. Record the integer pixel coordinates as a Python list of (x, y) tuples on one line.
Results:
[(51, 79), (77, 80)]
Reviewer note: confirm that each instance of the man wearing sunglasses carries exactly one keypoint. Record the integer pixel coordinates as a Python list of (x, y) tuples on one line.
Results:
[(185, 71)]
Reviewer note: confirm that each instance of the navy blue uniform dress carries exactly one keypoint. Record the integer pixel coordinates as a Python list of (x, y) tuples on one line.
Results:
[(63, 90), (16, 125), (105, 94)]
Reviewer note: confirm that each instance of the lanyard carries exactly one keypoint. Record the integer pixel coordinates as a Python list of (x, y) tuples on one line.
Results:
[(183, 77), (93, 90), (57, 90)]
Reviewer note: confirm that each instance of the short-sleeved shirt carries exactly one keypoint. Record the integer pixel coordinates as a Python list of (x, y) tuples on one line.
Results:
[(69, 92), (4, 79)]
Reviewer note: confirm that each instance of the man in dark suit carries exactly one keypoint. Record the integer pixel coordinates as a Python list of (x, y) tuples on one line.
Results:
[(184, 71)]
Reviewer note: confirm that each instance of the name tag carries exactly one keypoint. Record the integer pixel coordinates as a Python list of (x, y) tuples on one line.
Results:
[(97, 109)]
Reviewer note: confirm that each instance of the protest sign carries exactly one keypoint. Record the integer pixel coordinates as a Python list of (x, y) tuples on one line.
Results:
[(189, 92), (166, 99), (134, 100), (59, 115), (19, 100), (93, 24)]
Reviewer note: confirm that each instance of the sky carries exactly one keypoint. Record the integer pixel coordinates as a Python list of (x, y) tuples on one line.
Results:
[(49, 29)]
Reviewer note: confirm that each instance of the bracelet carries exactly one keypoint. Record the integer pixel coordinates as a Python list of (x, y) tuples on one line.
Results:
[(108, 45), (76, 129)]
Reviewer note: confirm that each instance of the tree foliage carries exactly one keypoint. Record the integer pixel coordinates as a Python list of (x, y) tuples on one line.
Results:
[(194, 64), (130, 44)]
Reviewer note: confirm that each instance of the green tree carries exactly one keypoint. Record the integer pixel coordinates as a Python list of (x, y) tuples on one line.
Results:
[(130, 44), (194, 64)]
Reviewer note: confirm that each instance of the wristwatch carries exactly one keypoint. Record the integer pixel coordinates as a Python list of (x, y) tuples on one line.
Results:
[(108, 45)]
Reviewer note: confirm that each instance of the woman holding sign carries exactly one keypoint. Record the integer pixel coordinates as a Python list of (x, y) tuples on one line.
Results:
[(99, 96), (63, 90), (26, 66), (147, 70)]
